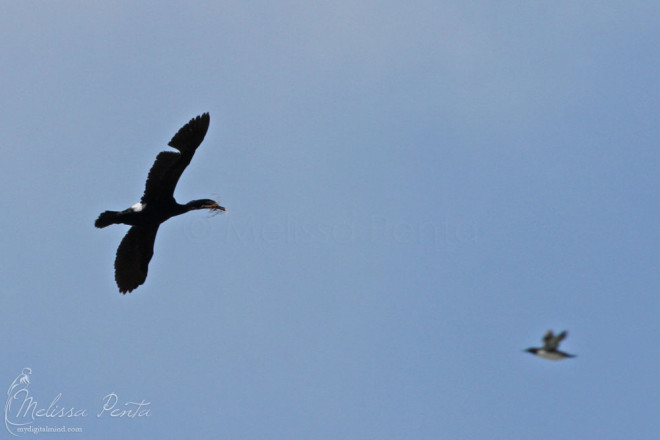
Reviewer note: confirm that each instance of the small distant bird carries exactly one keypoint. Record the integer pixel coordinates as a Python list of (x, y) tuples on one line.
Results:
[(156, 206), (549, 350)]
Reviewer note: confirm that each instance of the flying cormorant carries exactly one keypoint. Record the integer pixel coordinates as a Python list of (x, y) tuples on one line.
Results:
[(156, 206), (550, 344)]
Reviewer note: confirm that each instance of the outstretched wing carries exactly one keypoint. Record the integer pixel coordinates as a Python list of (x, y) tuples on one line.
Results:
[(547, 339), (169, 165), (551, 342), (133, 256)]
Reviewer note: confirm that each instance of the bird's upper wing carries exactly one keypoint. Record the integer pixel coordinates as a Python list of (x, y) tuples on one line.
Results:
[(169, 165), (133, 256), (547, 339), (552, 342), (560, 337)]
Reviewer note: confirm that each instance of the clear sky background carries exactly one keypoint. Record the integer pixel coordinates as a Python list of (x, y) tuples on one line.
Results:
[(416, 192)]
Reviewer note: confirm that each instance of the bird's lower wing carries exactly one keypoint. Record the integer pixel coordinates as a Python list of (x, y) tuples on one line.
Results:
[(133, 256)]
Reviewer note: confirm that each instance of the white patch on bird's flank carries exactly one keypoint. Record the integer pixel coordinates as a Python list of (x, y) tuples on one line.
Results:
[(138, 207), (549, 355)]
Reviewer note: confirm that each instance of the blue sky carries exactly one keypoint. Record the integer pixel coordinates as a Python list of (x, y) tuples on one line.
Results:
[(415, 194)]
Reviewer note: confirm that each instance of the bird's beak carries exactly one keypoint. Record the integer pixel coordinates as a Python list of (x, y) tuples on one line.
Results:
[(216, 207)]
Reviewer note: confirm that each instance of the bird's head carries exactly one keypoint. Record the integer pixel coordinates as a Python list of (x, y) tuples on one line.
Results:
[(209, 204), (532, 350)]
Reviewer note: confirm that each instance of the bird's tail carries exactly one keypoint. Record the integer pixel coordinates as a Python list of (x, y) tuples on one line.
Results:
[(106, 218)]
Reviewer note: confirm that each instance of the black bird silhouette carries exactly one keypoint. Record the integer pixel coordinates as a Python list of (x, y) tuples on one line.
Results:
[(156, 206), (550, 344)]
